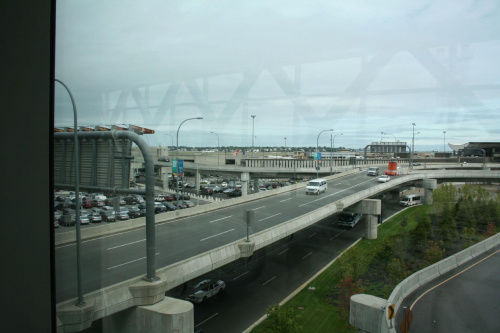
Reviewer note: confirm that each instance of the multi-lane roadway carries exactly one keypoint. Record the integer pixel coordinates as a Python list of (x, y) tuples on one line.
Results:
[(114, 258)]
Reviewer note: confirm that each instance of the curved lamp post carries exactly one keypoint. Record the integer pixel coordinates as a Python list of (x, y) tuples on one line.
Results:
[(79, 301), (317, 149), (177, 158)]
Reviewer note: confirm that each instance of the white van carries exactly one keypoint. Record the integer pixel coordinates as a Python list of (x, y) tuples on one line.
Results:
[(410, 200), (372, 171), (315, 186)]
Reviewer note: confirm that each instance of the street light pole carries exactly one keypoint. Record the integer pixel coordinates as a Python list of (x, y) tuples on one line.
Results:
[(217, 147), (333, 146), (317, 149), (177, 160), (253, 124), (285, 144), (412, 145), (79, 301)]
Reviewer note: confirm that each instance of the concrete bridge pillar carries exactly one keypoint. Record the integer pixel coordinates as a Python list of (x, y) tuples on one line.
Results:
[(164, 177), (245, 178), (429, 185), (371, 209), (168, 315), (367, 313), (256, 184)]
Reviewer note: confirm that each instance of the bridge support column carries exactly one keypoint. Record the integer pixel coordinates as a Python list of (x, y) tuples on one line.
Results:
[(245, 177), (367, 313), (169, 315), (164, 177), (256, 184), (429, 185), (371, 208)]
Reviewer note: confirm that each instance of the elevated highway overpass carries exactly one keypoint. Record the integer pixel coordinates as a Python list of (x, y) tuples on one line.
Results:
[(344, 190)]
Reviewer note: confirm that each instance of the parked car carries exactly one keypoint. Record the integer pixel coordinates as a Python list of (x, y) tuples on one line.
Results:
[(206, 191), (98, 202), (168, 197), (234, 193), (130, 200), (164, 159), (208, 290), (84, 219), (179, 205), (189, 185), (159, 197), (122, 215), (67, 220), (159, 208), (134, 212), (188, 203), (95, 217), (169, 206), (139, 199), (108, 216), (383, 179)]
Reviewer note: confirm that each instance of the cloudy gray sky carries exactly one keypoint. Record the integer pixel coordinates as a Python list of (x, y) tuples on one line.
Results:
[(358, 67)]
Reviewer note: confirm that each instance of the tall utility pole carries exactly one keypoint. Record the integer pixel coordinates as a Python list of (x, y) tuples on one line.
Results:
[(412, 145), (285, 144), (253, 126)]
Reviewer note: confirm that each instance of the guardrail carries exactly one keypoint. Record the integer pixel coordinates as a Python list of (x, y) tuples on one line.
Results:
[(418, 279)]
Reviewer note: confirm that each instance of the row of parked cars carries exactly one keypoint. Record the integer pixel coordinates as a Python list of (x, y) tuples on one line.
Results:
[(132, 206)]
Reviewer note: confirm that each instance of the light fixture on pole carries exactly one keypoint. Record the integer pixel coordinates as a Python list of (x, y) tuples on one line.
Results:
[(285, 144), (217, 146), (317, 150), (177, 160), (79, 301)]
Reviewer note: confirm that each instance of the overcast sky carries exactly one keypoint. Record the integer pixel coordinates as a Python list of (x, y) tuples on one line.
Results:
[(301, 67)]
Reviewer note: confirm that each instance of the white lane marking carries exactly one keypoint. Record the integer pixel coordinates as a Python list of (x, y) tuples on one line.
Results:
[(258, 208), (207, 319), (313, 235), (282, 252), (129, 262), (265, 218), (454, 276), (337, 235), (274, 277), (307, 255), (241, 275), (285, 200), (222, 218), (201, 240), (115, 247)]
